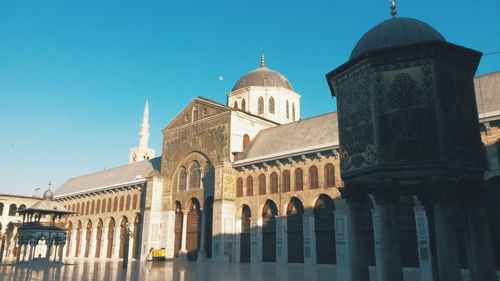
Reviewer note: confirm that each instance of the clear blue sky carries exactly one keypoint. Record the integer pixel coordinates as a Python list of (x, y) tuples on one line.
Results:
[(74, 74)]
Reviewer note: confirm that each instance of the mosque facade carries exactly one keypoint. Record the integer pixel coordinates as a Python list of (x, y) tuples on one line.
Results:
[(250, 181)]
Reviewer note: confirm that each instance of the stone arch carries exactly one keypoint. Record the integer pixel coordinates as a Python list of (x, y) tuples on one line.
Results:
[(299, 179), (235, 105), (287, 110), (122, 202), (110, 202), (239, 187), (87, 208), (246, 215), (329, 175), (98, 241), (123, 233), (193, 229), (103, 206), (285, 179), (22, 207), (92, 209), (324, 229), (127, 202), (98, 206), (179, 217), (273, 183), (208, 208), (182, 179), (313, 177), (269, 214), (295, 230), (12, 209), (135, 200), (88, 238), (262, 184), (293, 111), (243, 105), (111, 237), (115, 204), (249, 183)]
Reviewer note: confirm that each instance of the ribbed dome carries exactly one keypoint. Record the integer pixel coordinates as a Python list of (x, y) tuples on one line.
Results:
[(395, 32), (48, 195), (263, 76)]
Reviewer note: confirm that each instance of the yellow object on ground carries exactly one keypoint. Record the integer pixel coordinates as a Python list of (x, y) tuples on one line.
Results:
[(159, 254)]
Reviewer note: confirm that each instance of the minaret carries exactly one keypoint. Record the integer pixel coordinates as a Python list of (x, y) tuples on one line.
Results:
[(142, 152)]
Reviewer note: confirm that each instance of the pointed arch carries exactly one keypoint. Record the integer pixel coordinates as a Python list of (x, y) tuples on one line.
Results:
[(123, 236), (324, 228), (111, 236), (122, 202), (293, 111), (127, 202), (179, 216), (239, 187), (98, 206), (269, 214), (182, 179), (98, 241), (274, 183), (88, 238), (193, 229), (299, 179), (243, 105), (286, 181), (246, 141), (134, 202), (235, 105), (295, 230), (262, 184), (313, 177), (287, 110), (329, 176)]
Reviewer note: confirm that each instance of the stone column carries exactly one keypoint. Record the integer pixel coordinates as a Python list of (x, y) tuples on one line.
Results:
[(18, 258), (116, 243), (426, 271), (309, 238), (170, 234), (388, 259), (201, 252), (131, 242), (47, 253), (255, 240), (281, 240), (93, 245), (104, 243), (183, 250), (446, 243), (72, 249), (61, 252), (352, 262), (83, 243), (481, 261)]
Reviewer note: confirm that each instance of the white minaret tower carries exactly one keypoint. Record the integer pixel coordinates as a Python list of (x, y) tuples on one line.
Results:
[(142, 152)]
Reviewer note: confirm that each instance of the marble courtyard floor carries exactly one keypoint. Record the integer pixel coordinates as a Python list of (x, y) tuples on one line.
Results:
[(167, 270)]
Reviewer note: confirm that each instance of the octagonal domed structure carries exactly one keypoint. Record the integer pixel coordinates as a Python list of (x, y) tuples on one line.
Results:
[(395, 32)]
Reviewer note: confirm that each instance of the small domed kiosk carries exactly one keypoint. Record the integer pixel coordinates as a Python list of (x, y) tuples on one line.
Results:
[(42, 234), (408, 128)]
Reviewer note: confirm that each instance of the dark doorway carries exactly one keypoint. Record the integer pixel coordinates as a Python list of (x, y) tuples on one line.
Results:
[(295, 230), (193, 230), (324, 228), (245, 234), (269, 214), (209, 212)]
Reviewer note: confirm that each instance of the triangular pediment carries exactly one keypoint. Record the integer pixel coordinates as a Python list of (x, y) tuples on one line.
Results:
[(204, 107)]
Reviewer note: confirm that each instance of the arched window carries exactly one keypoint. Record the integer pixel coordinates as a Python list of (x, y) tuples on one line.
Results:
[(21, 207), (182, 179), (313, 177), (261, 106), (115, 204), (243, 105), (122, 202), (246, 140), (103, 207), (194, 175), (195, 113), (1, 209), (299, 183), (287, 110), (239, 187), (134, 202), (235, 105), (249, 186), (78, 208), (262, 184), (109, 204), (286, 181), (271, 105), (98, 206), (87, 208), (12, 210), (92, 210), (329, 176), (293, 111), (274, 183), (127, 203)]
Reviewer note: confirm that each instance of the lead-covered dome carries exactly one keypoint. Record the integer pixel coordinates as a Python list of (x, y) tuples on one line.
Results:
[(264, 77), (395, 32), (48, 195)]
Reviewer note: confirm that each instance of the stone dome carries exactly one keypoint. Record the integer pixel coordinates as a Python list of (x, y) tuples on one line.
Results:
[(263, 76), (395, 32), (48, 195)]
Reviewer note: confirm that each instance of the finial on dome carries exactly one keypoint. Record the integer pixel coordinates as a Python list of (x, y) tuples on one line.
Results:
[(50, 183), (393, 8), (262, 59)]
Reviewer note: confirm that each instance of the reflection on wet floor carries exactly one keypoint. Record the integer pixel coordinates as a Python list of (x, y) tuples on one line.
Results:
[(168, 270)]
